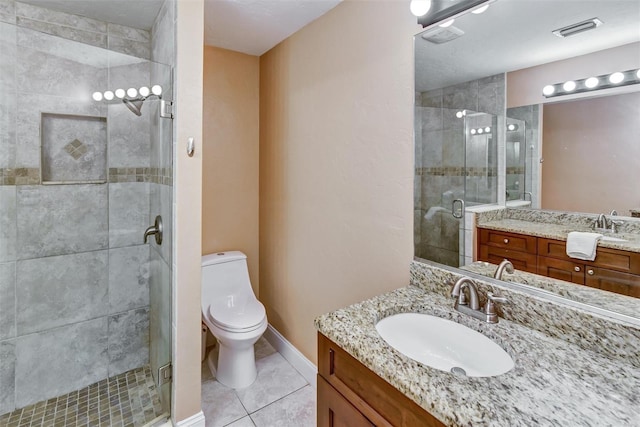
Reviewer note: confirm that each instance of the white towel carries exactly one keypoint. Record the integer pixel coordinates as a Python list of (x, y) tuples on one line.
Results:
[(582, 245)]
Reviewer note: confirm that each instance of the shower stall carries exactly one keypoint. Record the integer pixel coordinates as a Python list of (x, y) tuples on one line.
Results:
[(85, 167), (458, 131)]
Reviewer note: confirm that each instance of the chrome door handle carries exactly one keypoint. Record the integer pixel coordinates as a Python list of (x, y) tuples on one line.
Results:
[(457, 213)]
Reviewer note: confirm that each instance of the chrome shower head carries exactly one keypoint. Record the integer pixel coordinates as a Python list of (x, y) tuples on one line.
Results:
[(135, 105)]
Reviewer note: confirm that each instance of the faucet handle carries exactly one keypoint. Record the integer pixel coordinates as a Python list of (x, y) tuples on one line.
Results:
[(490, 308), (615, 225)]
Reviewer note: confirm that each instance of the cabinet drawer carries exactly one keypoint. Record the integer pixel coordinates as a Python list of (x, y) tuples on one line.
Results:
[(613, 281), (511, 241), (561, 269), (376, 399), (521, 260), (628, 262), (336, 411)]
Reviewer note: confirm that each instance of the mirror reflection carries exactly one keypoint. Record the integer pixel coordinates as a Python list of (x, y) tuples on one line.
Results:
[(574, 154)]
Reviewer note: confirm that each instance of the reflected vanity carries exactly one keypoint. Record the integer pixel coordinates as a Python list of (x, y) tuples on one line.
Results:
[(560, 161)]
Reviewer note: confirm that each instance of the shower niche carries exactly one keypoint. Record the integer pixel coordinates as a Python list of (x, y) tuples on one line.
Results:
[(73, 149)]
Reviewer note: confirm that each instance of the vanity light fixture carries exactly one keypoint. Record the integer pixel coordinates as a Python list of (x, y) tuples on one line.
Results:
[(604, 81), (480, 130), (420, 7), (512, 127), (131, 94), (460, 114)]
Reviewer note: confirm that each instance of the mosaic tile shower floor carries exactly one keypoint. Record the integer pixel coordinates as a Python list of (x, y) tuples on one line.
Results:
[(128, 399)]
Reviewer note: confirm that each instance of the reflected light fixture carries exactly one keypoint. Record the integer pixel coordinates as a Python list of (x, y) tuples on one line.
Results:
[(132, 92), (120, 93), (420, 7), (512, 127), (480, 130), (481, 9), (604, 81), (447, 23), (97, 96), (156, 90), (144, 91)]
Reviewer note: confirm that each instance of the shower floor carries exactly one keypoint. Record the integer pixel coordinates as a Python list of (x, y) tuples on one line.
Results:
[(128, 399)]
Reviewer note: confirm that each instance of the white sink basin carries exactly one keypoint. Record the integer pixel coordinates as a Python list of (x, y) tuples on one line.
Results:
[(444, 345)]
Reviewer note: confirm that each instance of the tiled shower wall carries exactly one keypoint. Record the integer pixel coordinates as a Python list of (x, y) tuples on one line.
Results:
[(440, 163), (74, 274)]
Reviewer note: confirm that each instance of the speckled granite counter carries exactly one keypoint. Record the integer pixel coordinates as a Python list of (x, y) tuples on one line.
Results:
[(556, 225), (555, 381), (623, 304)]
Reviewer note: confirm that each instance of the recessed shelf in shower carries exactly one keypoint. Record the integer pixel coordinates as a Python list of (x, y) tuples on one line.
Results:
[(73, 149)]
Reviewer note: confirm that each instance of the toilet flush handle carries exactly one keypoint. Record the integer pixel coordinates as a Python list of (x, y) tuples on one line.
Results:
[(156, 230)]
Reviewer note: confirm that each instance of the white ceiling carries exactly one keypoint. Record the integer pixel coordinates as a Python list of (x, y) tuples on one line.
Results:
[(248, 26), (255, 26), (516, 34)]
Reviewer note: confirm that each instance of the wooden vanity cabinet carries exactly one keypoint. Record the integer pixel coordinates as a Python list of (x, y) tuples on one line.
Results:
[(613, 270), (351, 395), (495, 246)]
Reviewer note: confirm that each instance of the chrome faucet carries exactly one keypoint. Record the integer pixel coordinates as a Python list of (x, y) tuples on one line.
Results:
[(505, 265), (601, 222), (472, 308)]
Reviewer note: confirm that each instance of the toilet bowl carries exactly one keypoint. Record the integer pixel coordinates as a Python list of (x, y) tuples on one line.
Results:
[(234, 316)]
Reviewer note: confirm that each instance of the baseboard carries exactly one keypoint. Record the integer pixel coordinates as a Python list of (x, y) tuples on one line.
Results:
[(196, 420), (301, 364)]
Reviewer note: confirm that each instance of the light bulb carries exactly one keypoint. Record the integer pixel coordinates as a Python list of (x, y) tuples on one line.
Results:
[(459, 114), (144, 91), (156, 90), (480, 10), (480, 130), (511, 127), (548, 90), (447, 23), (464, 112), (487, 129), (132, 92), (97, 96), (120, 93), (638, 74), (591, 82), (616, 78), (108, 95), (472, 131), (420, 7), (569, 85)]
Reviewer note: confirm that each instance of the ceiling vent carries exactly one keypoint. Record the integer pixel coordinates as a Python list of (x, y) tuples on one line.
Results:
[(440, 35), (570, 30)]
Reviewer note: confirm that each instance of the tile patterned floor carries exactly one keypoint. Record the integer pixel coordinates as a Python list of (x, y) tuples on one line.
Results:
[(128, 399), (280, 396)]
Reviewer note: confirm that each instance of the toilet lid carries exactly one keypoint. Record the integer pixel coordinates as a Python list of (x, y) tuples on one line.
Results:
[(234, 314)]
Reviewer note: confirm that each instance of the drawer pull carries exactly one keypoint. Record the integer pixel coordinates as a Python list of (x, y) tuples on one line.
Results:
[(506, 241), (576, 269), (590, 272)]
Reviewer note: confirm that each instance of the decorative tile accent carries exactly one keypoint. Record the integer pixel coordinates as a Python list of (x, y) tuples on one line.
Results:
[(456, 171), (129, 399), (19, 176), (75, 149), (162, 176)]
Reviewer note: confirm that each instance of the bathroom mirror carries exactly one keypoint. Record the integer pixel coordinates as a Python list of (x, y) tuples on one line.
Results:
[(490, 63)]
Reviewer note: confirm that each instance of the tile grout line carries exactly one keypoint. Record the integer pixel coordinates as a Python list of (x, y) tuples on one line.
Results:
[(277, 400)]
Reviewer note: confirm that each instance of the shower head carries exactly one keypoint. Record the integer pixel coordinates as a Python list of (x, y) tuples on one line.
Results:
[(135, 105)]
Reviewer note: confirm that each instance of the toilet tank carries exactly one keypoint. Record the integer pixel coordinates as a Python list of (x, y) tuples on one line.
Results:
[(223, 274)]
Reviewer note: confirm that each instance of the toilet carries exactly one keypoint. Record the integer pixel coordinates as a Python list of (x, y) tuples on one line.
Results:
[(234, 316)]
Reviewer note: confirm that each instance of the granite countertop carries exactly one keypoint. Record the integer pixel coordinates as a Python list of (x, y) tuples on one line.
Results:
[(597, 297), (560, 232), (554, 382)]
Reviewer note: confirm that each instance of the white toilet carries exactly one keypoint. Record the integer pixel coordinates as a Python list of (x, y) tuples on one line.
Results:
[(234, 316)]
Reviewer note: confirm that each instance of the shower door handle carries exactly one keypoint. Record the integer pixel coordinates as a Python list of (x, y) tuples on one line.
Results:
[(459, 213)]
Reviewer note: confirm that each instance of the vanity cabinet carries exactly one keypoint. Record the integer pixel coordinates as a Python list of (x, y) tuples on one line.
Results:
[(613, 270), (350, 394), (495, 246)]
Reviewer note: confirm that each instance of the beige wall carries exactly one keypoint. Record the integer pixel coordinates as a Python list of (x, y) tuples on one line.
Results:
[(187, 209), (591, 154), (230, 161), (524, 87), (336, 164)]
